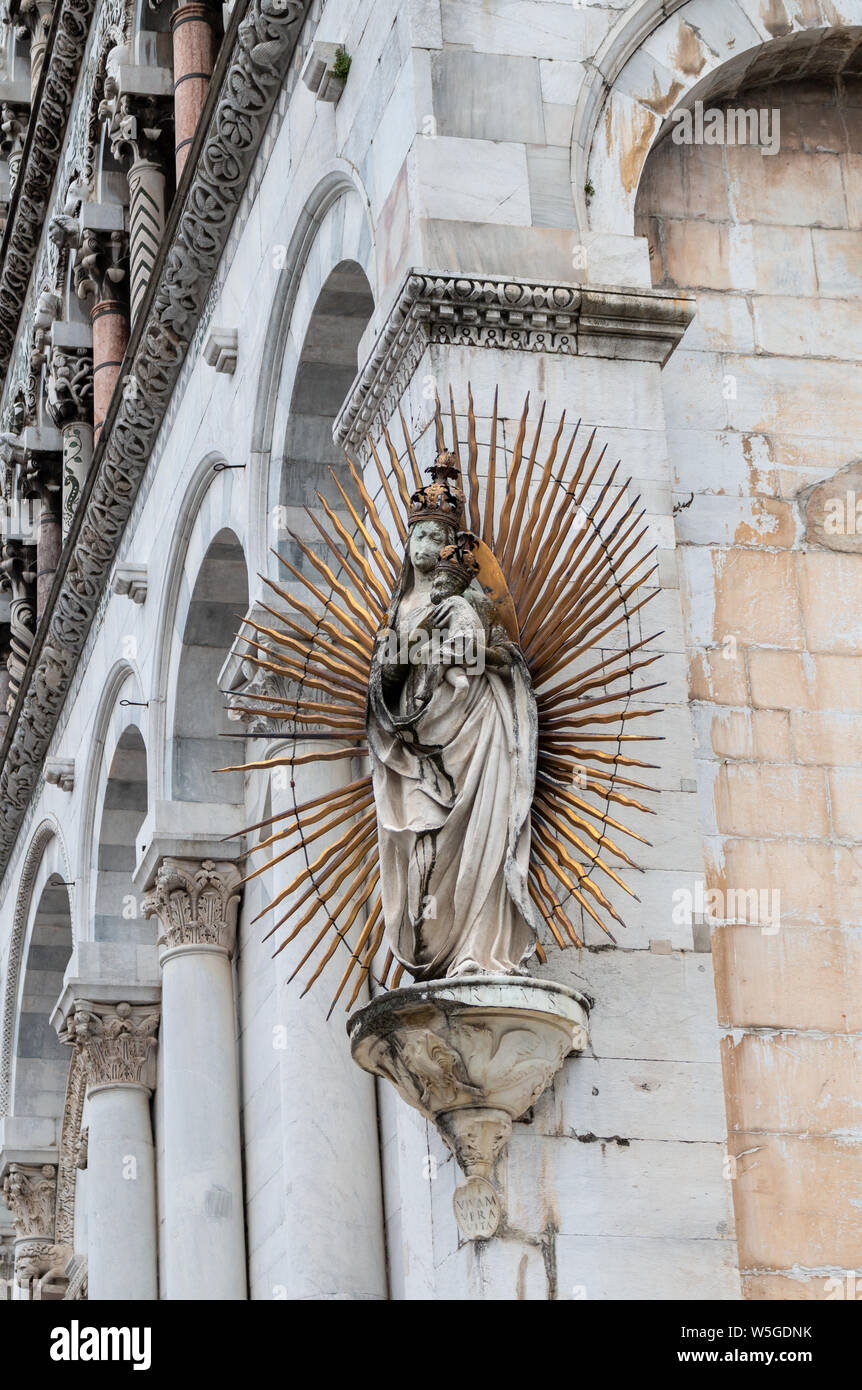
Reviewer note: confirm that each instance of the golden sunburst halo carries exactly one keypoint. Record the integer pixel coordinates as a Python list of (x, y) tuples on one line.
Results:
[(572, 556)]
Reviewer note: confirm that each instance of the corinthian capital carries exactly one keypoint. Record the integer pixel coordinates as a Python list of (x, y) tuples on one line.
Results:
[(116, 1042), (29, 1192), (196, 903)]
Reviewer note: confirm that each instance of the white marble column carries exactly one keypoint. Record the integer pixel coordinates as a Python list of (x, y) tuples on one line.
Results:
[(118, 1046), (146, 225), (30, 1192), (196, 904), (331, 1188)]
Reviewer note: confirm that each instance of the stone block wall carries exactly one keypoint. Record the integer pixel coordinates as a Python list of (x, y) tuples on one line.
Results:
[(762, 410)]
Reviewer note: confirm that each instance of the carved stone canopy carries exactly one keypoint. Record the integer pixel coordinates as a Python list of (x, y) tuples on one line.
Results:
[(196, 903), (471, 1054)]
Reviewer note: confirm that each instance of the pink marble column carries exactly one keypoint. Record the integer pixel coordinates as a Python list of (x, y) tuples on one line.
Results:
[(49, 543), (194, 57), (110, 335)]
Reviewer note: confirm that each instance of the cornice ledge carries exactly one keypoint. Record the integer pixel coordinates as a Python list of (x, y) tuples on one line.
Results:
[(40, 157), (259, 60), (497, 311)]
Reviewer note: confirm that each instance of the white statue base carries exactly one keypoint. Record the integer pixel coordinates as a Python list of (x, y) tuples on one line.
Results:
[(471, 1053)]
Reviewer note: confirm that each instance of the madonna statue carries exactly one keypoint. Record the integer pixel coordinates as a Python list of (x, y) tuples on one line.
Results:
[(452, 723)]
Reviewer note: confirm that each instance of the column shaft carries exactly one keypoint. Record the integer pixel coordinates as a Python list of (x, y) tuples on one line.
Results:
[(48, 546), (204, 1221), (77, 456), (110, 336), (194, 59), (121, 1235), (333, 1208), (146, 225)]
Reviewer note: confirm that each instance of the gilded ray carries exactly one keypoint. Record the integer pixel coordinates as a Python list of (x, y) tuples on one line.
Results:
[(569, 543)]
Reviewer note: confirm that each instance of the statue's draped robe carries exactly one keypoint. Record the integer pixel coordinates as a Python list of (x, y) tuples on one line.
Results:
[(453, 780)]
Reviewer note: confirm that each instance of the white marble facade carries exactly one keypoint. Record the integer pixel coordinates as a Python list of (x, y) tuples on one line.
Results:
[(269, 1166)]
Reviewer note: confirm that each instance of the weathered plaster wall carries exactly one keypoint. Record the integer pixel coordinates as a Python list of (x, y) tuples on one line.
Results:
[(762, 405)]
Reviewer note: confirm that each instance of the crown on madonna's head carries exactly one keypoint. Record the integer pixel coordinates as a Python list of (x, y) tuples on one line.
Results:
[(443, 498), (460, 558)]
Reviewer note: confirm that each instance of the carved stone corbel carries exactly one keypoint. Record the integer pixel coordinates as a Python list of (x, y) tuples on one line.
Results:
[(472, 1054), (130, 581), (60, 772)]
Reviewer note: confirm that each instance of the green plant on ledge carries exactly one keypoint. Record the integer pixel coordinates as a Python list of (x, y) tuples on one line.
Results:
[(341, 64)]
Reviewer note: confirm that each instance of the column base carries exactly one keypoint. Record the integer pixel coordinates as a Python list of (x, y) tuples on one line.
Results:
[(471, 1054)]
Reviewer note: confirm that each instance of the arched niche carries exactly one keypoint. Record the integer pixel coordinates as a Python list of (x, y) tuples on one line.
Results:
[(332, 234), (41, 1062), (124, 807), (204, 739), (663, 55), (325, 371)]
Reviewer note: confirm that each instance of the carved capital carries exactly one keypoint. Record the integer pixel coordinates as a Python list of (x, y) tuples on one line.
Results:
[(70, 386), (116, 1042), (101, 264), (17, 568), (13, 133), (29, 1192), (196, 903), (252, 688), (136, 123)]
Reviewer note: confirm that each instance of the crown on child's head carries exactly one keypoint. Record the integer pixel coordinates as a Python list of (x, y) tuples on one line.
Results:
[(460, 558), (443, 498)]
